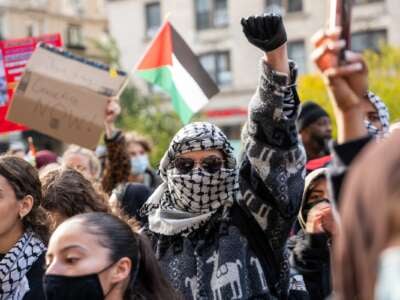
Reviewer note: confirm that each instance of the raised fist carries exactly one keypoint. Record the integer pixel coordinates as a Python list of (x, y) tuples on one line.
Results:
[(266, 32)]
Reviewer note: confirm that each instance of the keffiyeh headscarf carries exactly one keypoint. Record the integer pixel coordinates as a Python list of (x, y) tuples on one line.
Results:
[(184, 202), (383, 117), (16, 264)]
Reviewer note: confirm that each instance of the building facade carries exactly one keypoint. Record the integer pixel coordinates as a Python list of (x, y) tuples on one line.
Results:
[(212, 28), (78, 21)]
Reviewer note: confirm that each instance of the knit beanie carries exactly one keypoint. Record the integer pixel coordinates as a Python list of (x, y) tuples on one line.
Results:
[(309, 113)]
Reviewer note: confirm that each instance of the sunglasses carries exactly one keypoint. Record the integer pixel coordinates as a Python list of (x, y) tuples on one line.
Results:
[(210, 164)]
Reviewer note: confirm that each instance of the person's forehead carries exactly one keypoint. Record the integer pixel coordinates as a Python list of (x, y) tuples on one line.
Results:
[(321, 120), (71, 233), (4, 185), (77, 159), (202, 153), (318, 184), (135, 147)]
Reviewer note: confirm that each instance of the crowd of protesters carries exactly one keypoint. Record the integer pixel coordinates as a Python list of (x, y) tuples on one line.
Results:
[(299, 216)]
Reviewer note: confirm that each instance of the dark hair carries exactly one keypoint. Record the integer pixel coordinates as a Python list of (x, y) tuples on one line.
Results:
[(131, 197), (69, 193), (146, 279), (370, 210), (24, 180)]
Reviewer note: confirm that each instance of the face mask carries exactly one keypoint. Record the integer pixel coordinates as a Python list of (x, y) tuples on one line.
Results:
[(87, 287), (139, 164), (200, 192)]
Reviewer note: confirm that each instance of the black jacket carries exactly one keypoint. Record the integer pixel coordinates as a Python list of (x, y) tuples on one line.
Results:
[(342, 157), (35, 279), (310, 256)]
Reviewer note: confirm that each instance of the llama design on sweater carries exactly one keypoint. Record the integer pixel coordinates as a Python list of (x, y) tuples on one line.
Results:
[(255, 262), (227, 274), (192, 284)]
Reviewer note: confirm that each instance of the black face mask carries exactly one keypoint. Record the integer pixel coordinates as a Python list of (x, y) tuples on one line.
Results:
[(87, 287)]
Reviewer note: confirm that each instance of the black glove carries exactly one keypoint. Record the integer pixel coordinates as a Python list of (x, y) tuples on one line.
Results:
[(265, 32)]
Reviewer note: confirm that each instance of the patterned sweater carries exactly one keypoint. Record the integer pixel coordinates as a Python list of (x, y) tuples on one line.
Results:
[(217, 261)]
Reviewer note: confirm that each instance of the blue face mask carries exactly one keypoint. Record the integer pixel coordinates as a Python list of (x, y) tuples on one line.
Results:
[(139, 164)]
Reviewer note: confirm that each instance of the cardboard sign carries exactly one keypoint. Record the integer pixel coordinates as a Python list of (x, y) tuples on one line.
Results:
[(15, 54), (65, 96)]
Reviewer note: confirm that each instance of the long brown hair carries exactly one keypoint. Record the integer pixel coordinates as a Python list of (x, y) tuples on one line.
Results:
[(370, 215), (69, 193), (24, 180)]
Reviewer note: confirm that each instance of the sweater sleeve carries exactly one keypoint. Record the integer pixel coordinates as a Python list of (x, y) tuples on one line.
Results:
[(117, 168), (272, 169)]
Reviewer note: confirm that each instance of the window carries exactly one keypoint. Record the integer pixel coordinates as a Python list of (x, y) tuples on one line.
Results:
[(75, 37), (297, 52), (218, 65), (280, 6), (361, 41), (211, 14), (77, 6), (366, 1), (153, 18), (32, 30), (294, 5)]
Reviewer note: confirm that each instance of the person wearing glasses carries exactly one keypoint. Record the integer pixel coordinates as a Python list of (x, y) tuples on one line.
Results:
[(219, 227)]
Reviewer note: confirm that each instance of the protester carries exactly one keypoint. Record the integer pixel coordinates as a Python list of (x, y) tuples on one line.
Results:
[(23, 231), (220, 232), (66, 193), (117, 163), (376, 116), (139, 149), (367, 250), (315, 129), (127, 155), (44, 158), (369, 229), (311, 245), (98, 256), (130, 198), (82, 159)]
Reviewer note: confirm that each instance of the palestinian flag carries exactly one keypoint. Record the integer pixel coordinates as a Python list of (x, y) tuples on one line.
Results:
[(172, 65)]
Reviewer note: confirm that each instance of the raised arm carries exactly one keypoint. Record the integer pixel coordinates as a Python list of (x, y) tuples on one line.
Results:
[(272, 171), (347, 84), (117, 167)]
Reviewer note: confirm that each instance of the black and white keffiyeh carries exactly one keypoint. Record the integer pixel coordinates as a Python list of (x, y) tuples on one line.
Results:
[(184, 202), (16, 264), (383, 117)]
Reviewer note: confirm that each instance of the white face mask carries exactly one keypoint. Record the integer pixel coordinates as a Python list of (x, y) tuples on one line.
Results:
[(387, 284)]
